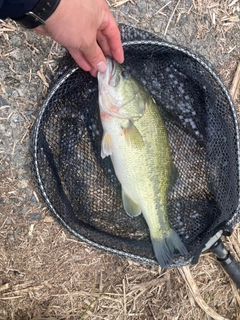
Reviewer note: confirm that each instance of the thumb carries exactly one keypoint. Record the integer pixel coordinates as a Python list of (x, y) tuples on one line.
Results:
[(95, 57)]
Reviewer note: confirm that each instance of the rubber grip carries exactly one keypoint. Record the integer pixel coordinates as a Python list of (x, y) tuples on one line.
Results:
[(227, 261), (232, 268)]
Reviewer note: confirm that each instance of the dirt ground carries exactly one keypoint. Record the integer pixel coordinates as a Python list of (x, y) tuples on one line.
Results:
[(44, 270)]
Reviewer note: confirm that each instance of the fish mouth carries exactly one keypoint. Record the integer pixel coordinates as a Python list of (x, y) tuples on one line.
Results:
[(114, 78), (107, 80), (109, 76)]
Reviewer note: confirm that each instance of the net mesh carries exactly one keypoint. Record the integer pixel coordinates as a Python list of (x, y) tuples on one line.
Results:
[(80, 187)]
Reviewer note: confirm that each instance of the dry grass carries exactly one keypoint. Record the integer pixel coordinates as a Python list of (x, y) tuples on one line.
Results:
[(45, 271)]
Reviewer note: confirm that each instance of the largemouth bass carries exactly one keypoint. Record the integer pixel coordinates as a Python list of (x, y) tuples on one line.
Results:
[(136, 139)]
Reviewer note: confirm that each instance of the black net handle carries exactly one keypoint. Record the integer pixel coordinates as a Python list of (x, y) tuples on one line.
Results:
[(227, 261)]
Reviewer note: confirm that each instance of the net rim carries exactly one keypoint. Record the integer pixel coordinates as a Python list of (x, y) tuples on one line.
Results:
[(37, 127)]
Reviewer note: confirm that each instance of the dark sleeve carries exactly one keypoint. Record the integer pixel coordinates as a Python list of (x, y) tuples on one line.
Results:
[(15, 8)]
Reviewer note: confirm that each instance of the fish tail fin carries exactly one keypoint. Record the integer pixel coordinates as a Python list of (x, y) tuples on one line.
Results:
[(165, 246)]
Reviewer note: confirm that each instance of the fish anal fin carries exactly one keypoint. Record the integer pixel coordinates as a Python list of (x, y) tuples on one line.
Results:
[(165, 246), (107, 146), (132, 208)]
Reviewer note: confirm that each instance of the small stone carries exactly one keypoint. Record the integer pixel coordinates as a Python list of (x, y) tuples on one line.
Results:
[(25, 68), (17, 118), (3, 101), (11, 237), (33, 199), (8, 90), (23, 184), (156, 29), (8, 222), (48, 219), (25, 210), (35, 216)]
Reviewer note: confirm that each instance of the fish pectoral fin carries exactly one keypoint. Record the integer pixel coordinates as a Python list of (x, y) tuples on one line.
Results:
[(132, 208), (107, 146), (132, 134)]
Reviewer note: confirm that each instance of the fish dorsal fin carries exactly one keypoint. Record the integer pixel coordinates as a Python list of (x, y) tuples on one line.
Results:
[(107, 145), (132, 208)]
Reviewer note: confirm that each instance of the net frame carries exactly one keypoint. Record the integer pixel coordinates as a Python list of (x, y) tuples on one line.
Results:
[(131, 37)]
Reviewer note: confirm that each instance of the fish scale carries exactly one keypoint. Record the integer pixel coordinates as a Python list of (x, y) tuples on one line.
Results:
[(157, 165)]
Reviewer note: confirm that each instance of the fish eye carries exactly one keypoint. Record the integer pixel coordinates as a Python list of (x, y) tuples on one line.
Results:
[(125, 74)]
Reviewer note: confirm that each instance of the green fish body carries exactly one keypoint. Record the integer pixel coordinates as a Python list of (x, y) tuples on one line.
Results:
[(136, 139)]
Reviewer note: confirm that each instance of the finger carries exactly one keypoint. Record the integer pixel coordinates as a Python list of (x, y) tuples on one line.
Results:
[(80, 59), (103, 43), (82, 62), (93, 72), (95, 57), (112, 34)]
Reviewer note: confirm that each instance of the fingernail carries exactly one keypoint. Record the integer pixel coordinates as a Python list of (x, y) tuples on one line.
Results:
[(101, 66)]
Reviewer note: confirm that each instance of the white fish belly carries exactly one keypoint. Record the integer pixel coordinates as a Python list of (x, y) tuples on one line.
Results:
[(124, 158)]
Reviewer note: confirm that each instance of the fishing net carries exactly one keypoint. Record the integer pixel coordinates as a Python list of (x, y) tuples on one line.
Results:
[(81, 189)]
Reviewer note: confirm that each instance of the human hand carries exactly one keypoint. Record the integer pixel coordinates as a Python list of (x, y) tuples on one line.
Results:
[(88, 30)]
